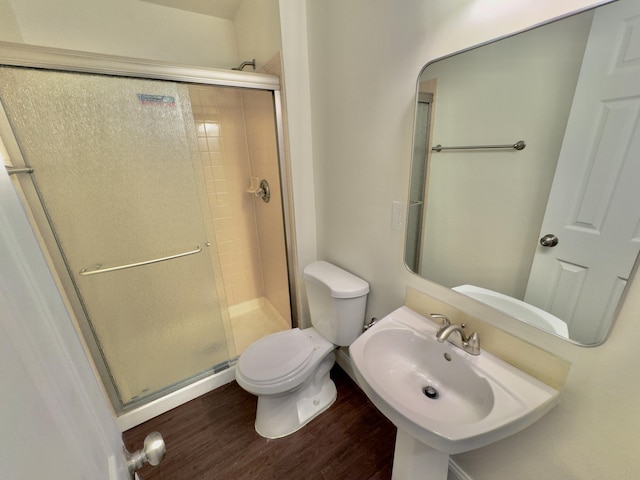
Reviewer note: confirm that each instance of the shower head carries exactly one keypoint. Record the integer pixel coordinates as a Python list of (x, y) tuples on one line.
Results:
[(244, 64)]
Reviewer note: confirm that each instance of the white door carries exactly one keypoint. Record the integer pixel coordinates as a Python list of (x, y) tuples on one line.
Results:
[(594, 205), (55, 422)]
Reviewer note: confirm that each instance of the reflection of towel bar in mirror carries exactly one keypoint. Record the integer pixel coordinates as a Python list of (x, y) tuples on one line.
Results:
[(99, 269), (519, 145), (15, 170)]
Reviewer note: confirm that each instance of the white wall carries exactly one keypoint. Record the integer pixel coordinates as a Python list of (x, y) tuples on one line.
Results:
[(145, 30), (257, 29), (293, 24), (363, 83), (121, 27), (10, 29), (364, 59)]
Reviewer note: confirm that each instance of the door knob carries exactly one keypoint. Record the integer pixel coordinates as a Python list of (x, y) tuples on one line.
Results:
[(549, 240), (152, 453)]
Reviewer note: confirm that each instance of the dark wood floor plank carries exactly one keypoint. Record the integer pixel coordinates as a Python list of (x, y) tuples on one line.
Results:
[(213, 438)]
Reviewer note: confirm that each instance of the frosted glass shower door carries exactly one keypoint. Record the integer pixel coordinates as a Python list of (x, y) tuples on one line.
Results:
[(115, 167)]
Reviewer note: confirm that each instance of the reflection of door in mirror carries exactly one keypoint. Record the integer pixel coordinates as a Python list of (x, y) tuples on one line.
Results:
[(595, 205)]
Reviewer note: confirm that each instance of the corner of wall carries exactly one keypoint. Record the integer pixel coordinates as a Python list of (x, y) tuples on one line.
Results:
[(10, 31), (295, 61)]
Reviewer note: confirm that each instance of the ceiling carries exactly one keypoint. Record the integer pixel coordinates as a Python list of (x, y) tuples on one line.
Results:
[(215, 8)]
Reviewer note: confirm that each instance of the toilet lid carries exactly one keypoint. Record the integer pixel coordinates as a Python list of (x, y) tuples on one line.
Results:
[(276, 356)]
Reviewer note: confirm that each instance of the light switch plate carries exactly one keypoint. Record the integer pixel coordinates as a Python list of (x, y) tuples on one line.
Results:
[(397, 215)]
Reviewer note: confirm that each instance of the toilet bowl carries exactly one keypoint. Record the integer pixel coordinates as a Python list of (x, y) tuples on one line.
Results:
[(289, 371)]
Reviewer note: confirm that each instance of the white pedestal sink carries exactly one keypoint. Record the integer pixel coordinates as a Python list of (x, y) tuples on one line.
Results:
[(415, 460), (442, 400)]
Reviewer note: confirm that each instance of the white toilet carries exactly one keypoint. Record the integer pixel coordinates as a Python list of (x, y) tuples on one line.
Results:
[(289, 371)]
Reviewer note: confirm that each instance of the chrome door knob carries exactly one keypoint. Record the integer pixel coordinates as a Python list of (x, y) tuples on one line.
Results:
[(152, 453), (154, 448), (549, 240)]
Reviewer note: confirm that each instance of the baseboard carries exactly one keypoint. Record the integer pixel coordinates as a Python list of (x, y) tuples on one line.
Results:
[(344, 361), (175, 399)]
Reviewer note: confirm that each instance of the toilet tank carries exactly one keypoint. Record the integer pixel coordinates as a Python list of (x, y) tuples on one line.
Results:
[(337, 301)]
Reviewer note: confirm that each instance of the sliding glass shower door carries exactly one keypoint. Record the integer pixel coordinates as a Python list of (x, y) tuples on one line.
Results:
[(115, 169)]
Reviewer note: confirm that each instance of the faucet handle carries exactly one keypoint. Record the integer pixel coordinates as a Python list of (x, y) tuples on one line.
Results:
[(473, 344), (445, 320)]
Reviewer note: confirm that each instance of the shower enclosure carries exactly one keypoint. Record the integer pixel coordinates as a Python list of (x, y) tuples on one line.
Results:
[(138, 189)]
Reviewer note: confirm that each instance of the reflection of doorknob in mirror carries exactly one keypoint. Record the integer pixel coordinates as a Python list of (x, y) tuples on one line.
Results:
[(549, 240)]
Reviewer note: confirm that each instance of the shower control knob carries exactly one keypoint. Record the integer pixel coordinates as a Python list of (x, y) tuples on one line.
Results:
[(264, 192), (549, 240)]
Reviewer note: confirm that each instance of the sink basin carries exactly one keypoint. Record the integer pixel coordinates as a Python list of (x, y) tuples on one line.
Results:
[(437, 393), (431, 388)]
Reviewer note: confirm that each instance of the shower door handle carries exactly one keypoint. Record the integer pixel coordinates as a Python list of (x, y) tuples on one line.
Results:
[(98, 268), (15, 170)]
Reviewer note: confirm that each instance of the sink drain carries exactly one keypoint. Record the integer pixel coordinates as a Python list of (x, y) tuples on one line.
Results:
[(430, 392)]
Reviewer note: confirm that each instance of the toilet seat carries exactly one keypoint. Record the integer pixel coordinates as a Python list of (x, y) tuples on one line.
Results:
[(274, 357), (281, 361), (290, 371)]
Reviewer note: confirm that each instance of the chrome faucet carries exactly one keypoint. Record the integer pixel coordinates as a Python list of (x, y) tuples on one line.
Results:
[(470, 344)]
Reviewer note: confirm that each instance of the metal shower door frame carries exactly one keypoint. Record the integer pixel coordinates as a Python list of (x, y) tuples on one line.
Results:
[(18, 55)]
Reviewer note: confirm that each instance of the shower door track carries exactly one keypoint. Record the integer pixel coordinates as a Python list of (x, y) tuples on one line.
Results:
[(19, 55)]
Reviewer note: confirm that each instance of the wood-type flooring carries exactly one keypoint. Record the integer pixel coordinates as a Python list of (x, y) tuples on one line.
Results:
[(213, 438)]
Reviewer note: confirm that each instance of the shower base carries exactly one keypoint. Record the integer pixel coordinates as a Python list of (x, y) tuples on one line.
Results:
[(253, 320), (249, 321)]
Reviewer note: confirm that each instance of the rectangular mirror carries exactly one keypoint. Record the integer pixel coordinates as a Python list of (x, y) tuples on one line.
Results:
[(546, 230)]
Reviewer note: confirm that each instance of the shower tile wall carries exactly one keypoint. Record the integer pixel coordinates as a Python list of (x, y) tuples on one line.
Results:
[(222, 142), (235, 145), (261, 141)]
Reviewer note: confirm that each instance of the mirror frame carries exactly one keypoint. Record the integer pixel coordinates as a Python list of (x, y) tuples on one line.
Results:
[(458, 295)]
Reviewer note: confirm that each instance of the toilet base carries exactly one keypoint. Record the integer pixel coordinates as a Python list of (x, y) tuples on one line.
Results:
[(281, 415)]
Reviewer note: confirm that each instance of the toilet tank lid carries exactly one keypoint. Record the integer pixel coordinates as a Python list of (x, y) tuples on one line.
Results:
[(341, 283)]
